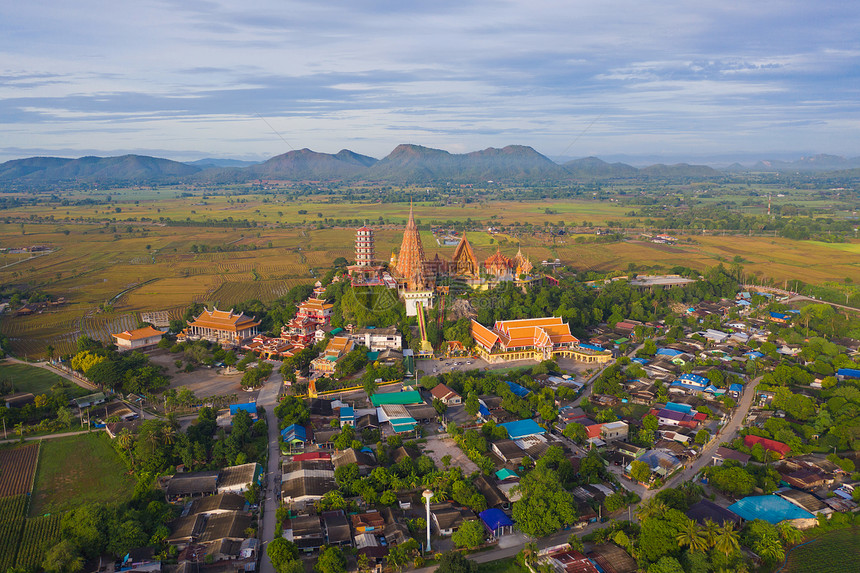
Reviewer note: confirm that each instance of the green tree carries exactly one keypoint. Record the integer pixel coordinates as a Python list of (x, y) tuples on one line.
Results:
[(640, 471), (727, 540), (331, 560), (702, 437), (472, 405), (281, 552), (470, 534), (691, 537), (545, 506), (575, 432), (63, 558), (666, 565), (456, 562)]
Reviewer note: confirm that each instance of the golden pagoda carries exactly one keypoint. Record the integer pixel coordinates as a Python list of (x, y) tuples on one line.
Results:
[(411, 259)]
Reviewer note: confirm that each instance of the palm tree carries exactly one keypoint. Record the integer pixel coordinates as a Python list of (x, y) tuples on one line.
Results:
[(168, 433), (126, 442), (692, 538), (770, 549), (727, 540), (789, 533), (529, 552), (710, 530), (651, 508)]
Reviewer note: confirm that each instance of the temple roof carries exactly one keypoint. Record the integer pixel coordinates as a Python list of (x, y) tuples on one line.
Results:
[(224, 320)]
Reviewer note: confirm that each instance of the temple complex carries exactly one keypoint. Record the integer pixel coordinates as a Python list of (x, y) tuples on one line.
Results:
[(415, 276)]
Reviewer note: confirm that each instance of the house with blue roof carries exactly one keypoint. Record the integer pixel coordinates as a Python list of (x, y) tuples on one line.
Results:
[(496, 522), (517, 389), (676, 407), (844, 373), (670, 352), (642, 361), (753, 355), (250, 407), (347, 416), (591, 347), (770, 508), (735, 390), (522, 428), (295, 435), (779, 317), (695, 379)]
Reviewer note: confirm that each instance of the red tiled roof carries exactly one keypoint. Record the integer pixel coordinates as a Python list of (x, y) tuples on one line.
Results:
[(772, 445)]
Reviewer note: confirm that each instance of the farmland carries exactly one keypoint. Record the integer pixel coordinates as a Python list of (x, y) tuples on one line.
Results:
[(832, 552), (17, 466), (34, 380), (38, 535), (112, 265), (78, 469)]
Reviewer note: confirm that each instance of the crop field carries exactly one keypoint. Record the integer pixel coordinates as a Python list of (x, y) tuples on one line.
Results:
[(38, 535), (17, 466), (111, 272), (10, 535), (831, 553), (78, 469), (12, 508)]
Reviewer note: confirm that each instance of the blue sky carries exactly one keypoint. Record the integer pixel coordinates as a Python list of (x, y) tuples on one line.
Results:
[(196, 78)]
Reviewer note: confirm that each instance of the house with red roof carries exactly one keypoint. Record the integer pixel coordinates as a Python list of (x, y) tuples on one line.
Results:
[(446, 395), (770, 445)]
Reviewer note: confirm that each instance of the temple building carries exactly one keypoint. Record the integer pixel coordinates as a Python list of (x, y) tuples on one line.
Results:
[(223, 327), (465, 263), (411, 259), (415, 276), (531, 338)]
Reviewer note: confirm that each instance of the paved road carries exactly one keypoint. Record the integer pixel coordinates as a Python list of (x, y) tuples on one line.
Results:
[(727, 434), (268, 398)]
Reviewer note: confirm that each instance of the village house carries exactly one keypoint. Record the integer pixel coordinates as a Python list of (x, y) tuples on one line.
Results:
[(445, 395), (138, 339)]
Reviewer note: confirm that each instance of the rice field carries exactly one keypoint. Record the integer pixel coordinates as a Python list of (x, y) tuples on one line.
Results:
[(135, 266)]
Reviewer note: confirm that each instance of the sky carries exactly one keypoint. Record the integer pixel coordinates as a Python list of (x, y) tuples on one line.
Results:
[(187, 79)]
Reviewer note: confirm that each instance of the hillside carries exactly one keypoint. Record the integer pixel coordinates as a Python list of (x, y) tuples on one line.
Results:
[(126, 168)]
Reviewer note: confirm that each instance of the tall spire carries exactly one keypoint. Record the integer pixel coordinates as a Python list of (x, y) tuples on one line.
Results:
[(410, 261)]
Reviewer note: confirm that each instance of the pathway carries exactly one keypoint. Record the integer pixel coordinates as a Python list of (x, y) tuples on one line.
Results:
[(726, 434), (50, 436), (268, 399)]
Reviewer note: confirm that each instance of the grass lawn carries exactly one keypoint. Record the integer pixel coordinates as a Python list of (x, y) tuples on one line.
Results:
[(508, 565), (35, 380), (832, 552), (76, 470)]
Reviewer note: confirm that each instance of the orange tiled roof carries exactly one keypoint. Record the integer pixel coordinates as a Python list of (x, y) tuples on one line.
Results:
[(224, 320), (138, 334), (483, 335), (315, 304)]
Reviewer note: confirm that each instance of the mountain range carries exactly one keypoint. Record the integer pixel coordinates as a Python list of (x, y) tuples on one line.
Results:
[(404, 165)]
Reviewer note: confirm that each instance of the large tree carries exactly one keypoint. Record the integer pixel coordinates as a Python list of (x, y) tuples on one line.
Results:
[(471, 534), (545, 507)]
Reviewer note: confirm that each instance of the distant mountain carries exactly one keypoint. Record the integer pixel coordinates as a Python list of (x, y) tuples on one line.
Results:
[(304, 165), (407, 163), (214, 162), (680, 170), (130, 168), (415, 164), (594, 168), (820, 162)]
